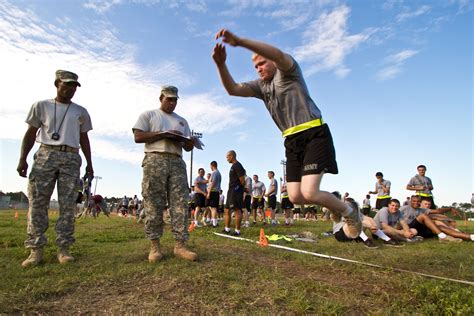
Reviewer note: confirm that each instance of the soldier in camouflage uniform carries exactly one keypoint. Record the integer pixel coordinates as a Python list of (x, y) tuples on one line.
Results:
[(61, 127), (164, 172)]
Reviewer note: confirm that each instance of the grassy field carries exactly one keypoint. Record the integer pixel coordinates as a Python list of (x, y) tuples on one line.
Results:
[(111, 274)]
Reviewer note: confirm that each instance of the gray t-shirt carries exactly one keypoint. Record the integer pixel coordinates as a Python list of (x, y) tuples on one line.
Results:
[(200, 183), (420, 180), (216, 180), (384, 216), (274, 184), (248, 185), (159, 121), (76, 121), (258, 189), (410, 213), (379, 188), (286, 98)]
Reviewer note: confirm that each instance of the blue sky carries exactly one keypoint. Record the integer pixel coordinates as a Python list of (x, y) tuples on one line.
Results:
[(393, 80)]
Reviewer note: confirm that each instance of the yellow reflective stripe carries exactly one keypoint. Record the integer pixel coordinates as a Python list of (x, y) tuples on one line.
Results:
[(284, 196), (384, 197), (424, 194), (257, 197), (302, 127)]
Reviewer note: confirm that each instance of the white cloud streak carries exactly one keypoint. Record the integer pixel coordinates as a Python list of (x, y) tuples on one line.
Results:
[(103, 6), (412, 14), (115, 88), (394, 64), (327, 42)]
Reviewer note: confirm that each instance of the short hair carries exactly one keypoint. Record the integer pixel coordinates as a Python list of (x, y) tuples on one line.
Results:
[(394, 201), (255, 175), (232, 153), (421, 166), (414, 196), (425, 198), (255, 56), (367, 196), (379, 174), (273, 173), (199, 170), (214, 163)]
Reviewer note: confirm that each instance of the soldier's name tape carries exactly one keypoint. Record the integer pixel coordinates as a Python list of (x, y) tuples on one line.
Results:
[(347, 260)]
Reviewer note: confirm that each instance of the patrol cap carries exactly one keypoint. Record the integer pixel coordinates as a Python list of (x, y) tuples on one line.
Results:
[(169, 91), (67, 76)]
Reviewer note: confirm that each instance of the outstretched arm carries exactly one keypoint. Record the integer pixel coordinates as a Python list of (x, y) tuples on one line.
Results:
[(283, 61), (219, 55)]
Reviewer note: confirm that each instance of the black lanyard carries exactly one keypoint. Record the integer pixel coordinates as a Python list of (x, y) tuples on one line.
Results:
[(56, 132)]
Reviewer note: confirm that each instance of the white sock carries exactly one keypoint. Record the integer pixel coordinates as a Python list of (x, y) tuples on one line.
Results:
[(237, 231), (227, 229), (382, 235), (287, 221), (363, 236), (214, 221), (442, 235), (196, 222), (472, 237)]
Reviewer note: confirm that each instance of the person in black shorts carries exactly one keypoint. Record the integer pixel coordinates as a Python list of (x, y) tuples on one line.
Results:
[(235, 194), (309, 147), (214, 186)]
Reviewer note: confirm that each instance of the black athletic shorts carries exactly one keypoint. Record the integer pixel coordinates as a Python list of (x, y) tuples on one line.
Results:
[(286, 204), (423, 230), (310, 152), (382, 203), (247, 202), (297, 210), (272, 202), (234, 199), (199, 200), (258, 203), (213, 200), (79, 197), (340, 236)]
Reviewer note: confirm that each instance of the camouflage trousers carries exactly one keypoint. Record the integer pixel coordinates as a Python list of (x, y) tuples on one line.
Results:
[(49, 167), (165, 184)]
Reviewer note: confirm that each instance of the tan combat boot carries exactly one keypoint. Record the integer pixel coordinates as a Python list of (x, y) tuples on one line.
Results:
[(36, 256), (64, 256), (181, 252), (155, 254)]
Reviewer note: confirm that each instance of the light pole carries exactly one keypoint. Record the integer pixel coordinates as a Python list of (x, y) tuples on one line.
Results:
[(97, 178), (195, 135), (283, 163)]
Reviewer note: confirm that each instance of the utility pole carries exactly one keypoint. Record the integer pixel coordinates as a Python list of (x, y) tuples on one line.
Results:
[(97, 178), (283, 163), (195, 135)]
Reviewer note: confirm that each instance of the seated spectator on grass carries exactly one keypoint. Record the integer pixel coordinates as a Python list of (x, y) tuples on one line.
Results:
[(391, 221), (341, 234), (418, 219), (446, 225)]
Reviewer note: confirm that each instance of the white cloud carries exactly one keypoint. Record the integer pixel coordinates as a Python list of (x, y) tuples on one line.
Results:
[(115, 88), (327, 42), (102, 6), (395, 63), (411, 14)]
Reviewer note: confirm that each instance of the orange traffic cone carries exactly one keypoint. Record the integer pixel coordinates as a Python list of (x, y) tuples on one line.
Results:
[(16, 215), (191, 227), (263, 241)]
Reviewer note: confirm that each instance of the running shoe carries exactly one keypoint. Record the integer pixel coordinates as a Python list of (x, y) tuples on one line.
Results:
[(451, 239), (393, 243), (370, 244), (353, 221)]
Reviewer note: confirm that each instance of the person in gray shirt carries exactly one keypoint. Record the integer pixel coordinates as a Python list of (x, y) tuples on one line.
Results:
[(392, 222), (308, 141), (213, 192)]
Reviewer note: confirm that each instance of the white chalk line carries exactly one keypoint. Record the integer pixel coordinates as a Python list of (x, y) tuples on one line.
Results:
[(347, 260)]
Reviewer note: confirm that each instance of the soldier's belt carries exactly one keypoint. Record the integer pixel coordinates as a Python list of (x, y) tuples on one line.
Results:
[(63, 148), (383, 197), (424, 194), (160, 153), (302, 127)]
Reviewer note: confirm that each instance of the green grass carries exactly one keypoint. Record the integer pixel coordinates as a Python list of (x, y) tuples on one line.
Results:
[(111, 274)]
